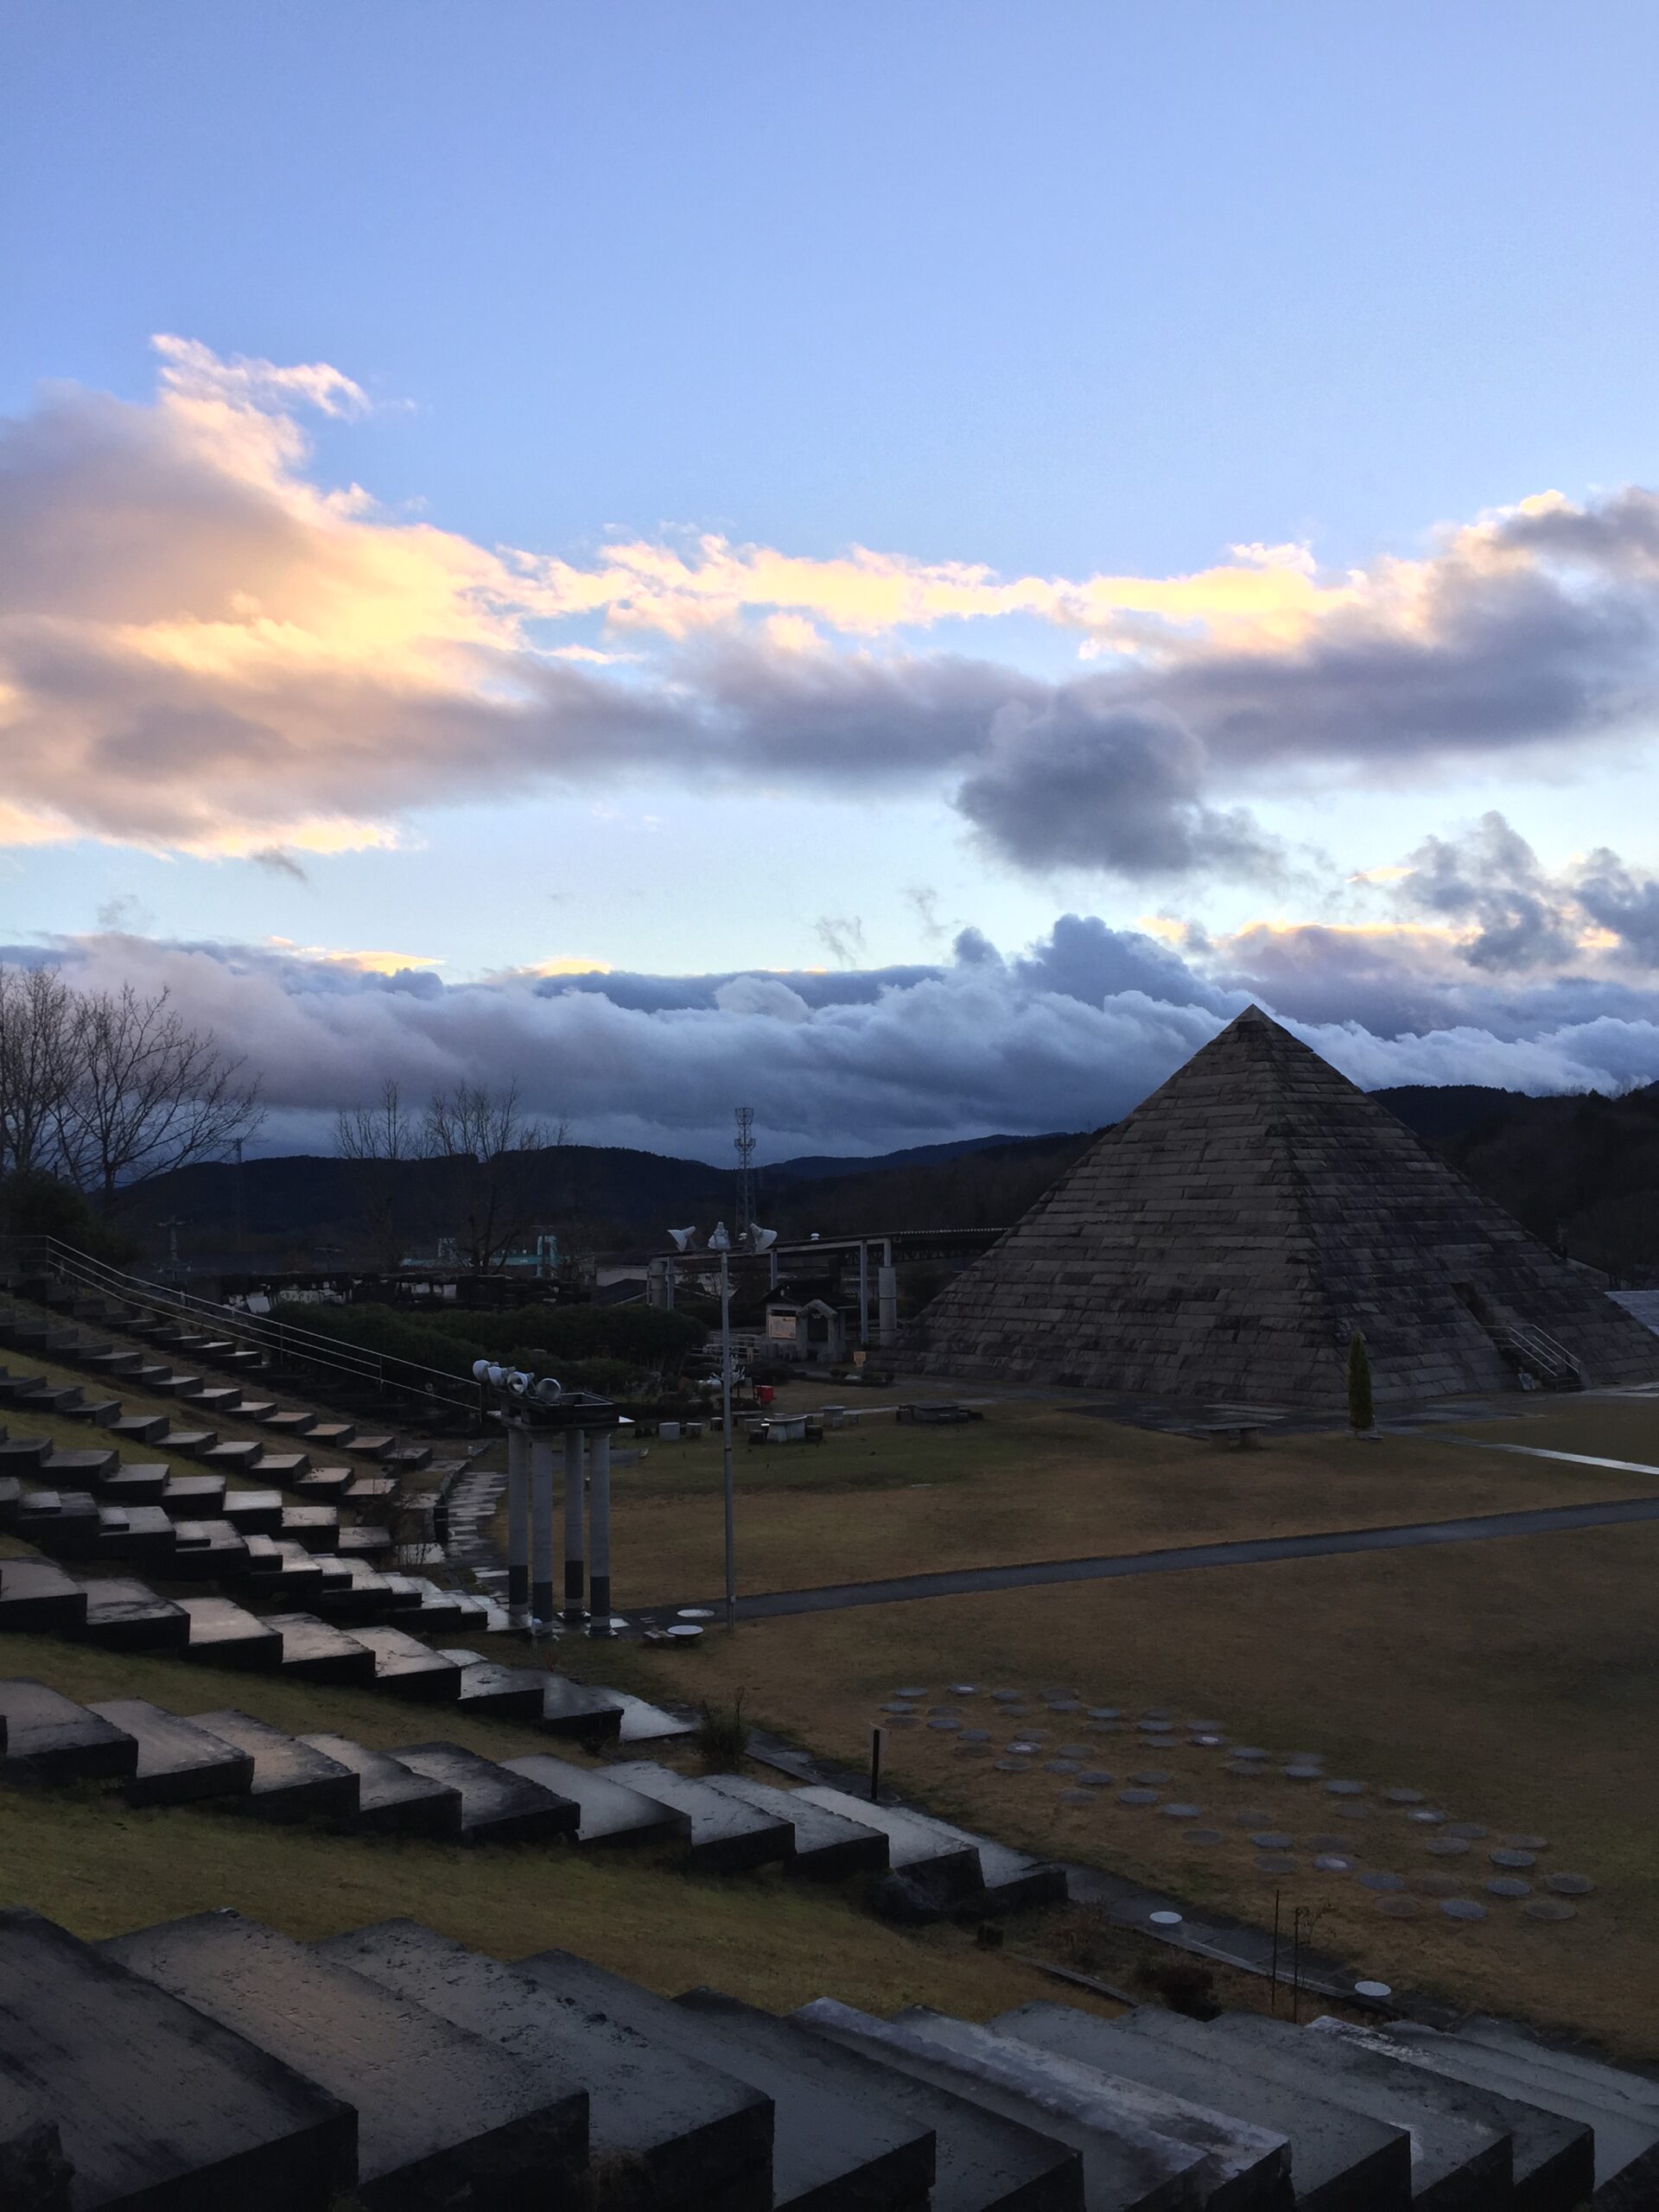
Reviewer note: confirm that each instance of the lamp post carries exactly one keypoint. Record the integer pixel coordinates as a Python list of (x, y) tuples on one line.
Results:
[(753, 1239)]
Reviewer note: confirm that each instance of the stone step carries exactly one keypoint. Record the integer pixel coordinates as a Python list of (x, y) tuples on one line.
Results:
[(138, 1532), (645, 1724), (439, 1610), (217, 1398), (1242, 2167), (144, 1375), (14, 1387), (696, 2139), (1626, 2145), (112, 1362), (369, 1490), (63, 1522), (316, 1652), (393, 1799), (140, 1428), (496, 1806), (611, 1812), (923, 1849), (443, 2117), (408, 1458), (243, 1361), (288, 1469), (366, 1542), (829, 2151), (374, 1447), (256, 1409), (175, 1384), (1611, 2083), (291, 1781), (48, 1398), (255, 1512), (1552, 2161), (188, 1443), (826, 1843), (127, 1616), (1341, 2161), (508, 1693), (1457, 2158), (286, 1571), (99, 1413), (352, 1592), (407, 1668), (11, 1501), (38, 1598), (239, 1457), (178, 1763), (326, 1486), (224, 1634), (23, 1454), (573, 1709), (1125, 2162), (34, 2172), (284, 1421), (330, 1435), (726, 1836), (137, 1483), (79, 1470), (316, 1527), (48, 1735), (982, 2163), (1013, 1879), (209, 1551), (156, 2105)]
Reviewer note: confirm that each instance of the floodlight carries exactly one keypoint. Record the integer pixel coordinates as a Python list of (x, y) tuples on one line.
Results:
[(497, 1376), (684, 1238), (518, 1381), (480, 1370), (762, 1239), (718, 1240), (548, 1390)]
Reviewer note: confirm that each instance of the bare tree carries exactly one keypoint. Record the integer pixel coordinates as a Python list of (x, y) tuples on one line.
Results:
[(484, 1136), (37, 1031), (380, 1140), (148, 1094)]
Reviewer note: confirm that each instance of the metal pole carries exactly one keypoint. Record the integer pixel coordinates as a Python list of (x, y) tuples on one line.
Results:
[(875, 1766), (726, 1427), (576, 1576), (541, 1528), (863, 1292), (599, 1533), (517, 1517), (1273, 1977)]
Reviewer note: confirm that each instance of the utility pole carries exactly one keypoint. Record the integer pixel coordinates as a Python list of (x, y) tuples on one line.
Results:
[(744, 1145)]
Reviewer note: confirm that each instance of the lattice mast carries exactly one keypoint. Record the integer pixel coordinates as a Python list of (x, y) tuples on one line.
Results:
[(743, 1143)]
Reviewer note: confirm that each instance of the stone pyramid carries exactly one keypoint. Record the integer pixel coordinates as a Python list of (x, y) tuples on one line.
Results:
[(1226, 1240)]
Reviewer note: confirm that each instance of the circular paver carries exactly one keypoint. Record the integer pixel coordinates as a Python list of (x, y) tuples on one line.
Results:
[(1248, 1751), (1403, 1797), (1244, 1773), (1569, 1885), (1271, 1840), (1060, 1766), (909, 1710), (1165, 1919), (1182, 1812), (910, 1692), (1332, 1862), (1105, 1712), (694, 1613), (1008, 1697), (1526, 1843), (1137, 1796), (947, 1723), (1155, 1776), (1063, 1704), (1155, 1727), (1011, 1766), (1376, 1989), (1446, 1847), (1207, 1743), (1022, 1748), (1550, 1909), (1274, 1862), (1345, 1789), (1386, 1885), (1425, 1817), (1302, 1773), (1505, 1885), (1462, 1908), (1471, 1831), (976, 1735), (1399, 1908), (1156, 1712), (1095, 1778), (964, 1689), (1202, 1835), (1513, 1857)]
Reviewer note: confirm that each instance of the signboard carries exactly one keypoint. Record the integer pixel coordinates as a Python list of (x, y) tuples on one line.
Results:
[(780, 1328)]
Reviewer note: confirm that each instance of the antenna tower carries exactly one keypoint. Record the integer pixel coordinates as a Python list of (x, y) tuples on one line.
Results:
[(744, 1144)]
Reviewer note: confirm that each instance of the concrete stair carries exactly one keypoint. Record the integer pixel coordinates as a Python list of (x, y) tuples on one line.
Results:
[(125, 1616), (392, 1798), (178, 1763), (726, 1836), (291, 1781), (52, 1739), (610, 1811), (496, 1806)]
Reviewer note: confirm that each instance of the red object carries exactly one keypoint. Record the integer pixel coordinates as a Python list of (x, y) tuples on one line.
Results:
[(763, 1394)]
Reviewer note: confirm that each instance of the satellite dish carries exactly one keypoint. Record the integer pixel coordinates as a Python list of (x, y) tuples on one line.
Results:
[(684, 1238), (762, 1239), (719, 1241)]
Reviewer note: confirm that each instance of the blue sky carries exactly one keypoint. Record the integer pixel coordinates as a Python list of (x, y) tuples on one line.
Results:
[(1080, 299)]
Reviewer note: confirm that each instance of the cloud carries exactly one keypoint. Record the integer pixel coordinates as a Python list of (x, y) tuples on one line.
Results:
[(204, 650), (276, 861)]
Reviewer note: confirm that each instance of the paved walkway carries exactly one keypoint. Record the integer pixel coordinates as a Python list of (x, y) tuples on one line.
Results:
[(975, 1581)]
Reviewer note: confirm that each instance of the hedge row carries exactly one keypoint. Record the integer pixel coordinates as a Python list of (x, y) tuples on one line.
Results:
[(587, 1347)]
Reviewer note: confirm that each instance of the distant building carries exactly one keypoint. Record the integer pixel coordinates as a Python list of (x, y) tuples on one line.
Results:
[(806, 1321)]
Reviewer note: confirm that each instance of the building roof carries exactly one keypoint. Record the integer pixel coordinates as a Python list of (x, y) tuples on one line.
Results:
[(1226, 1239)]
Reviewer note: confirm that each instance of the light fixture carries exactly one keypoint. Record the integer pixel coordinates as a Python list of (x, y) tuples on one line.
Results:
[(718, 1240), (684, 1238)]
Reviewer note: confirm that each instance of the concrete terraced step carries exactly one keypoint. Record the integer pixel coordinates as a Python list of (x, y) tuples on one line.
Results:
[(156, 2105), (829, 2152), (408, 1667), (982, 2162), (140, 1482), (127, 1616), (282, 1570), (36, 1596), (509, 1693), (826, 1842), (444, 2118), (193, 1497), (699, 2139), (496, 1806), (136, 1532), (48, 1735), (1013, 1879), (61, 1521), (924, 1849), (225, 1634), (392, 1798), (140, 1428), (640, 1722), (727, 1836), (315, 1651), (610, 1811), (1127, 2166), (1341, 2160), (179, 1764), (209, 1551), (291, 1781), (255, 1512)]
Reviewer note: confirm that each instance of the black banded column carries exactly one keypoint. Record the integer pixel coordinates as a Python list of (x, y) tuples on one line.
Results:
[(518, 1516), (540, 1528), (575, 1578), (599, 1530)]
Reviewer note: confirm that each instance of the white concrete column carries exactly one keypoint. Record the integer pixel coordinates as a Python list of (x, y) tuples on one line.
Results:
[(541, 1528), (518, 1516), (575, 1577), (599, 1532), (887, 1306)]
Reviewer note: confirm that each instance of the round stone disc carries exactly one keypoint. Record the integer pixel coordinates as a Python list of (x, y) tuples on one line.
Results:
[(1399, 1908), (1182, 1812), (1094, 1778), (1244, 1772), (964, 1689), (1008, 1697), (1446, 1847), (1156, 1712), (1137, 1796), (1403, 1797), (1105, 1712), (1345, 1789), (1462, 1908), (1274, 1862), (910, 1692), (1471, 1831), (1513, 1857), (1569, 1885), (1154, 1776), (1505, 1885), (1165, 1919), (1207, 1743), (976, 1735), (1332, 1862), (1155, 1727), (1301, 1772), (1060, 1766), (1022, 1747), (947, 1723), (909, 1710), (1271, 1840), (1063, 1704), (1376, 1989), (1205, 1728), (1550, 1909), (1525, 1843), (1248, 1751), (1425, 1818), (1386, 1885), (1201, 1836)]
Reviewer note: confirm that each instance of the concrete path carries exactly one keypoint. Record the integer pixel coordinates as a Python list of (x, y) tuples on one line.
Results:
[(974, 1581)]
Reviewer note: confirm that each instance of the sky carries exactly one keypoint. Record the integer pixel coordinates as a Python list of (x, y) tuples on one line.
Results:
[(897, 565)]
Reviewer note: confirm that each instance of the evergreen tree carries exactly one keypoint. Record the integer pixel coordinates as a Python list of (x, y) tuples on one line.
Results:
[(1361, 1414)]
